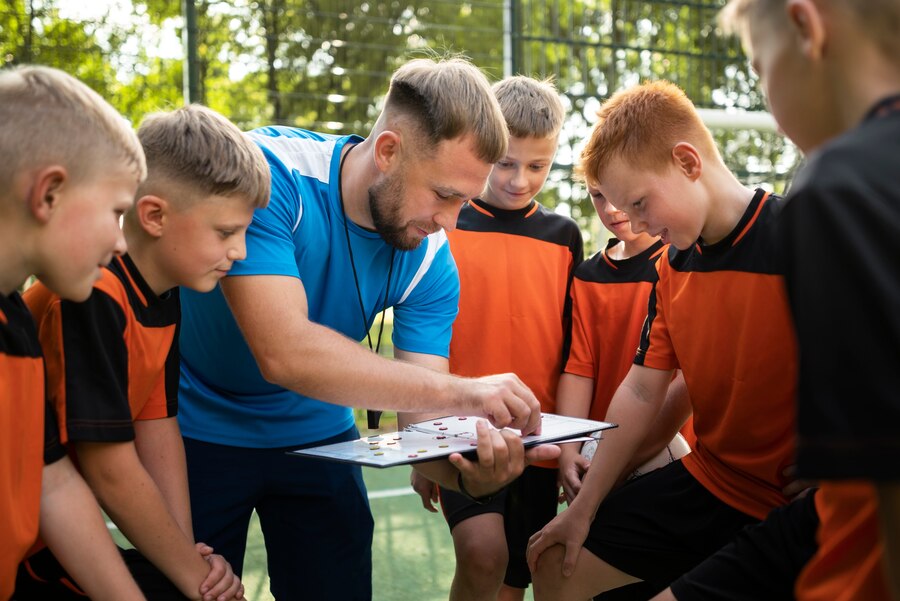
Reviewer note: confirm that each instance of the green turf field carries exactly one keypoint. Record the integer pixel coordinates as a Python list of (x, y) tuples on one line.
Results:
[(412, 554)]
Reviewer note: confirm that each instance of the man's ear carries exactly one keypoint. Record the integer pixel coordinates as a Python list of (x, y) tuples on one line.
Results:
[(46, 191), (152, 212), (808, 25), (687, 160), (387, 150)]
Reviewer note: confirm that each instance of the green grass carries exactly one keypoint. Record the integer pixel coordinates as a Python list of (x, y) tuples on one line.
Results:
[(412, 552)]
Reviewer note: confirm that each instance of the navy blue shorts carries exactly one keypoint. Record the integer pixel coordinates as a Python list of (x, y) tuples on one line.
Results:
[(314, 516)]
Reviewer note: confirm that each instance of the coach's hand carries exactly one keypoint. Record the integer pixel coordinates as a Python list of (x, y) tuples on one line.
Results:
[(501, 459), (504, 400)]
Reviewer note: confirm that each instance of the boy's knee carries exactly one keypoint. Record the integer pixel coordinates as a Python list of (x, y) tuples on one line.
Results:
[(482, 558), (548, 575)]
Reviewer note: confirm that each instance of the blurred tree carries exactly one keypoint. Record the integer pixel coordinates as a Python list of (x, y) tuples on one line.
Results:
[(324, 64)]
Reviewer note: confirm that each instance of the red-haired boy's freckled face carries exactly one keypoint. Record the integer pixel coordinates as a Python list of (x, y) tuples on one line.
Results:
[(84, 232), (660, 204)]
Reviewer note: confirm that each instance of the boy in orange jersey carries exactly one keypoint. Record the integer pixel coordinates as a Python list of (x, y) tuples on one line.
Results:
[(113, 362), (609, 306), (840, 239), (719, 312), (69, 166), (515, 261)]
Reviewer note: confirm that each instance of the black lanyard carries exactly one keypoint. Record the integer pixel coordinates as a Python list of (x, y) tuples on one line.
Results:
[(372, 417)]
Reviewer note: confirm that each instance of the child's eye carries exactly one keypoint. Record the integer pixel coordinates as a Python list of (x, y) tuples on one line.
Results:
[(638, 204), (504, 164), (226, 233), (537, 167)]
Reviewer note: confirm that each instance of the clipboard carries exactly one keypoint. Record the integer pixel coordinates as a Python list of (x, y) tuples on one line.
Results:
[(437, 438)]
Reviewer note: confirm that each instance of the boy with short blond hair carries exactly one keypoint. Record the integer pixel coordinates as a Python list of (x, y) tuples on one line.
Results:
[(69, 166), (515, 261), (842, 108), (113, 361), (719, 313)]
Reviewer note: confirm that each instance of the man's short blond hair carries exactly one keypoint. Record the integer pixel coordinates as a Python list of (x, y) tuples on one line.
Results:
[(446, 99), (50, 118), (194, 152), (532, 108), (879, 20)]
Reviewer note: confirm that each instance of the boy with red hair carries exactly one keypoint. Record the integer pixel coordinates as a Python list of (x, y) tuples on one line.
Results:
[(719, 312)]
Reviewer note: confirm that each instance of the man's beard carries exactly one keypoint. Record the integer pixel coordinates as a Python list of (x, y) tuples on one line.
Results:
[(385, 199)]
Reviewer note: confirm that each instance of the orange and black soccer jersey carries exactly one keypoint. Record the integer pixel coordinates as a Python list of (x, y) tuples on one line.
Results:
[(609, 306), (720, 313), (112, 359), (515, 268), (848, 564), (841, 241), (29, 437)]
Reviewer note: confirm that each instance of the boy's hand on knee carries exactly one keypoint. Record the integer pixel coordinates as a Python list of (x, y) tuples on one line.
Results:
[(567, 530)]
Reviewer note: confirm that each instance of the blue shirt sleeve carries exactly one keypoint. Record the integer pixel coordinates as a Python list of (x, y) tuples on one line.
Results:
[(270, 237), (423, 321)]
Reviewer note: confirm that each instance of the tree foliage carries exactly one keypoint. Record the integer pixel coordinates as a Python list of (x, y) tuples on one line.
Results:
[(324, 64)]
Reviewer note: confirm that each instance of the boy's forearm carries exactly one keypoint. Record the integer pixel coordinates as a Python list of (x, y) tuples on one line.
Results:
[(671, 418), (129, 495), (160, 449), (74, 529), (574, 395), (633, 407)]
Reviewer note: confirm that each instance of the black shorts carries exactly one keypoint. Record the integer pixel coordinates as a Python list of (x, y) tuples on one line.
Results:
[(42, 577), (762, 562), (661, 525), (527, 505)]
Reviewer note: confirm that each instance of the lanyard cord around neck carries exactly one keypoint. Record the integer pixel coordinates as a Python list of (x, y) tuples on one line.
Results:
[(372, 416)]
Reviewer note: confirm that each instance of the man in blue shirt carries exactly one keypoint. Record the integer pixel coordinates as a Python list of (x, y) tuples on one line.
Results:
[(270, 360)]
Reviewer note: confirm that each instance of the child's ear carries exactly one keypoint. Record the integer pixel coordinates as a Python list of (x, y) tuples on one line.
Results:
[(387, 150), (151, 213), (46, 191), (808, 25), (687, 160)]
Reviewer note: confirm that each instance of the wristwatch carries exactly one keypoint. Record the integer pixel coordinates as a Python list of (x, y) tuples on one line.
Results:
[(480, 500)]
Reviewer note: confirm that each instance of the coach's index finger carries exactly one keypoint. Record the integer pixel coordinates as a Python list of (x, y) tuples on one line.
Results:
[(528, 420)]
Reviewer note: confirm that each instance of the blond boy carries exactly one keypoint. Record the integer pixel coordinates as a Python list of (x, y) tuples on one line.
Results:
[(113, 361), (719, 313), (69, 166), (831, 71)]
